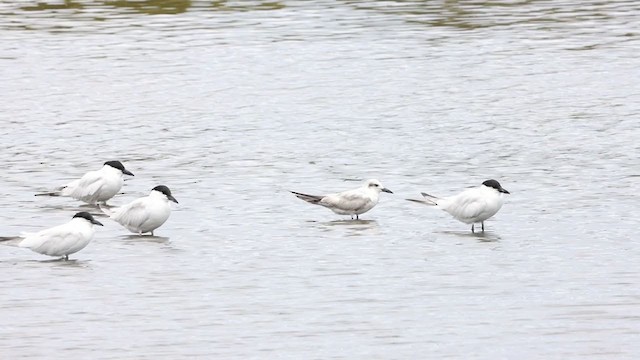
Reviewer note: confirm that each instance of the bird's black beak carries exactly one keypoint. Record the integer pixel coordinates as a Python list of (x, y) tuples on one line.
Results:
[(96, 222), (387, 190), (504, 191), (170, 197), (125, 171)]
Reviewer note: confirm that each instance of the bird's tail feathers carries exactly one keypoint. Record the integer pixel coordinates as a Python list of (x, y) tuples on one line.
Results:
[(11, 240), (8, 238), (433, 200), (313, 199), (53, 193), (428, 200), (106, 209)]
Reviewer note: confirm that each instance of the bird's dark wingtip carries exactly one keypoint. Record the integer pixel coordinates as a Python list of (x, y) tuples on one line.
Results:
[(48, 194), (8, 238)]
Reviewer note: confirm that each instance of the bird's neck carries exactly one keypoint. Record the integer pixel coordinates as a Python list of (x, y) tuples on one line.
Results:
[(110, 170), (156, 195), (80, 222)]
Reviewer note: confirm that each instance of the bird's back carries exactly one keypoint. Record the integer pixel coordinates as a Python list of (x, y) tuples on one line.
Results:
[(59, 240), (472, 205), (142, 215), (95, 186), (356, 201)]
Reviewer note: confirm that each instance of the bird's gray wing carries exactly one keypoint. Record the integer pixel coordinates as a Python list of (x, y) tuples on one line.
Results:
[(346, 201), (314, 199)]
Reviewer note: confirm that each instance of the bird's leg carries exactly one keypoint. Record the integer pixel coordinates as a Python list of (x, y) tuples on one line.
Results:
[(357, 217), (152, 232), (66, 257), (483, 226), (472, 229)]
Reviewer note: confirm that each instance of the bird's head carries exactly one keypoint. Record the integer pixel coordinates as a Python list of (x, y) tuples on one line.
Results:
[(164, 191), (118, 165), (376, 186), (495, 185), (86, 216)]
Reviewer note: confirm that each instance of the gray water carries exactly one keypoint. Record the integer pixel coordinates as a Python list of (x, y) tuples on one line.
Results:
[(233, 103)]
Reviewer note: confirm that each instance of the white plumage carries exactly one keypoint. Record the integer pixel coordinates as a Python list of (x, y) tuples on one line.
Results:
[(472, 206), (145, 214), (62, 240), (95, 186), (351, 202)]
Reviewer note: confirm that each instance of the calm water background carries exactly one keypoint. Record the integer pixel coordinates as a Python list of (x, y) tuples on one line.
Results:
[(232, 103)]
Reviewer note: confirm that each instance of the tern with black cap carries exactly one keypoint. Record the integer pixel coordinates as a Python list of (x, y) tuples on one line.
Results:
[(145, 214), (62, 240), (95, 186), (472, 206)]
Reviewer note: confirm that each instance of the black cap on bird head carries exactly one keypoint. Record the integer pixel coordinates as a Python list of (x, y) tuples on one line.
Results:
[(118, 165), (165, 190), (85, 215), (496, 185)]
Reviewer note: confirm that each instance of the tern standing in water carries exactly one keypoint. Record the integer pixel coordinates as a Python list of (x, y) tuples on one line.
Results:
[(351, 202), (472, 206), (62, 240), (95, 186), (145, 214)]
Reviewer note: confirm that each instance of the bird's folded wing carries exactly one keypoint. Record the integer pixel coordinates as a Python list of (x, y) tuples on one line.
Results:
[(51, 240), (314, 199), (348, 201), (133, 214), (467, 207), (88, 185)]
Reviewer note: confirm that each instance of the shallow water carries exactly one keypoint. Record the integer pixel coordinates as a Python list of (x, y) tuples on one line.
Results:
[(231, 104)]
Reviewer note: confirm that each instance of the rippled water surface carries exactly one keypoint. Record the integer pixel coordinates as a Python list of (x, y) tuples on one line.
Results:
[(233, 103)]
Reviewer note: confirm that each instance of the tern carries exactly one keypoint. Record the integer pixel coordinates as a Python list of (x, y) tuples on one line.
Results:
[(472, 206), (95, 186), (351, 202), (62, 240), (145, 214)]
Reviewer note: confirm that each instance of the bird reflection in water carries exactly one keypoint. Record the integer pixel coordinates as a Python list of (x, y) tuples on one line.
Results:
[(354, 227)]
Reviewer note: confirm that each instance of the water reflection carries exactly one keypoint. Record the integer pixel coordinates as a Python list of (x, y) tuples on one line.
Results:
[(353, 227), (146, 238), (486, 236), (73, 207), (156, 7), (473, 15), (447, 8), (153, 7), (44, 6), (456, 14), (61, 263)]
